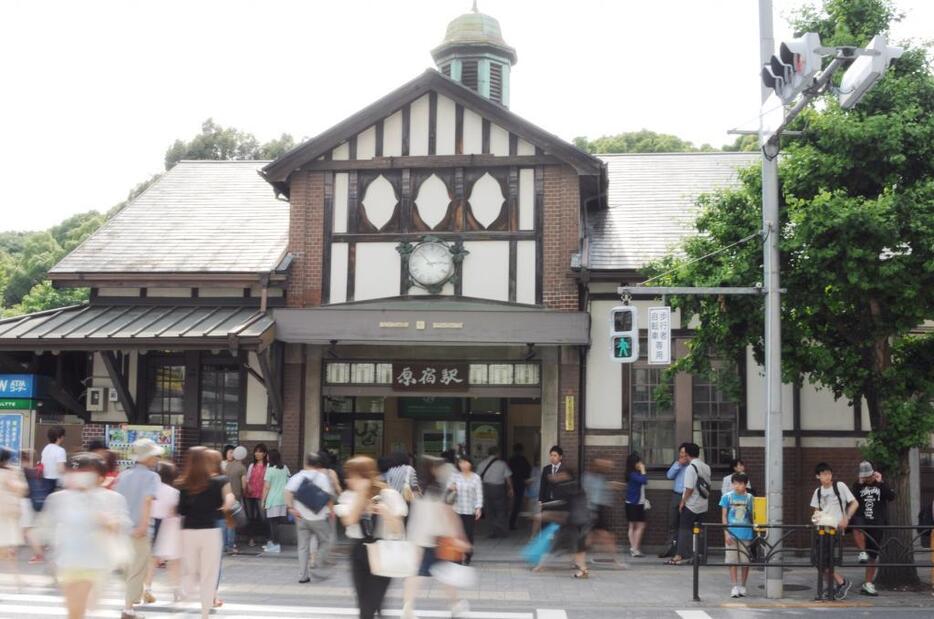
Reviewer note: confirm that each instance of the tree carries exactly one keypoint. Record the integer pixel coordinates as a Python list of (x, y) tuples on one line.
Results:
[(857, 242), (643, 141), (225, 143)]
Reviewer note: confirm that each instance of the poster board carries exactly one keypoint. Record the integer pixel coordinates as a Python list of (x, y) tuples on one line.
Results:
[(120, 438), (13, 432)]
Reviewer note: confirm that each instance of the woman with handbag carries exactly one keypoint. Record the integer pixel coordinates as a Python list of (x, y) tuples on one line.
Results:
[(436, 530), (371, 513), (87, 527), (636, 503), (202, 497)]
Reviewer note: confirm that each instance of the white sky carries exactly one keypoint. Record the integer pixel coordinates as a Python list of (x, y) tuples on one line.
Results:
[(92, 93)]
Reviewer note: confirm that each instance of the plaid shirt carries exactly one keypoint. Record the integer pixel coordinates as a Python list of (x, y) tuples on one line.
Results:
[(469, 497)]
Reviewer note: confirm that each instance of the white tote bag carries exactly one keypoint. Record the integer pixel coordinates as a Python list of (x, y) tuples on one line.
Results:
[(392, 558)]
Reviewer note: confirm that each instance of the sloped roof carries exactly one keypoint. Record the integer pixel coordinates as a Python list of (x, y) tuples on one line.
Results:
[(652, 203), (86, 327), (279, 170), (201, 216)]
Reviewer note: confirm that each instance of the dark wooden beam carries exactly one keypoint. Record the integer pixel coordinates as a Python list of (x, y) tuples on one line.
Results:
[(459, 129), (406, 122), (272, 386), (120, 384), (378, 150), (60, 395), (432, 122), (479, 235), (485, 143), (433, 161)]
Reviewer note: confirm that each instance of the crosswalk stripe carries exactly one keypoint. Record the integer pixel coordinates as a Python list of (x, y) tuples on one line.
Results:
[(29, 604), (693, 614), (550, 613)]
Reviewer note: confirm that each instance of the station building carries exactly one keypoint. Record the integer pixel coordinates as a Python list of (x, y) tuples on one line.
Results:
[(433, 272)]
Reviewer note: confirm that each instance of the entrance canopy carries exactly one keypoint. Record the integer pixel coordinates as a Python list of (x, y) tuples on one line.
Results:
[(122, 327), (460, 322)]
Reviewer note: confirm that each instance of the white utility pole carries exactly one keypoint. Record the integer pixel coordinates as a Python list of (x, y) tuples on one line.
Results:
[(774, 440)]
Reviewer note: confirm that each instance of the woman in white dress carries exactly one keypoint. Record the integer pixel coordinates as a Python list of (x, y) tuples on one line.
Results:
[(12, 490), (167, 533)]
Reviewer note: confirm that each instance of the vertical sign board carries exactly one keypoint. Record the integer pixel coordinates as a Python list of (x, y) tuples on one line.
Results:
[(569, 413), (11, 433), (659, 340)]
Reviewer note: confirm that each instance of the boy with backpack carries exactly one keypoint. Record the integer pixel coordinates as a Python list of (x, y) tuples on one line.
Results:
[(833, 505), (736, 508)]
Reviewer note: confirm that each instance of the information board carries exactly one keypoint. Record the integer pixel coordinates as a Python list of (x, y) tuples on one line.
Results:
[(659, 352), (11, 433), (120, 439)]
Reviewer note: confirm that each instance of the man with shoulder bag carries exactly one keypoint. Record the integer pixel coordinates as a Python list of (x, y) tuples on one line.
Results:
[(309, 496), (694, 502)]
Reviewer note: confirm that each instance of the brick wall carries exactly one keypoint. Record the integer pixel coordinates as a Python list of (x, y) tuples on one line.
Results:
[(560, 237), (291, 436), (306, 239)]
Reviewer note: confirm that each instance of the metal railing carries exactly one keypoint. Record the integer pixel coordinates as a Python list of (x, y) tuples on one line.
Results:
[(825, 548)]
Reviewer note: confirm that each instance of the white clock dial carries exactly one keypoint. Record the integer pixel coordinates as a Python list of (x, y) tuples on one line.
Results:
[(431, 264)]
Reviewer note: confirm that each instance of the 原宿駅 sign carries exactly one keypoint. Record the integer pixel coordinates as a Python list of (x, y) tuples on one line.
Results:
[(439, 376)]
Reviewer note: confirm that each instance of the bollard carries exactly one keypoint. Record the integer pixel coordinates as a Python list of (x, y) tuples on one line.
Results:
[(695, 561), (820, 573), (831, 581)]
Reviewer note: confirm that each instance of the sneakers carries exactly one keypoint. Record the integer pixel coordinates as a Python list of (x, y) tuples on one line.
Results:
[(272, 548), (868, 589), (636, 554), (742, 591), (843, 589), (863, 557), (460, 609), (734, 592), (148, 597)]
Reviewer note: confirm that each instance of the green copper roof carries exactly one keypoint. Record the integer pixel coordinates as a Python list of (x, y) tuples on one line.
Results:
[(475, 29)]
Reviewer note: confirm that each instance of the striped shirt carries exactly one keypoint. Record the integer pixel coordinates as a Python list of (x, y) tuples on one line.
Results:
[(469, 488), (398, 476)]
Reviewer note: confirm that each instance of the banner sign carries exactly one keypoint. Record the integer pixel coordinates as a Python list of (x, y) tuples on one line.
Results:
[(659, 352), (17, 386), (423, 376), (11, 433), (16, 405), (120, 439)]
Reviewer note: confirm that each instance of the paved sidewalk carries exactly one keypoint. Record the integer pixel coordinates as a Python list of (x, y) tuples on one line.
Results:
[(506, 583)]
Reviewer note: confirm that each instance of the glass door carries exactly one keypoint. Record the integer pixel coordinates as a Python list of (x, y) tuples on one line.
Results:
[(220, 405), (434, 437)]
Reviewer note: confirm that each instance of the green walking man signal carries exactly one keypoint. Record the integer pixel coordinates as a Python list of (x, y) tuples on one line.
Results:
[(624, 333)]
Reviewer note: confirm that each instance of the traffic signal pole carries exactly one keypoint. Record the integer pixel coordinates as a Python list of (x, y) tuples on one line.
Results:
[(774, 439)]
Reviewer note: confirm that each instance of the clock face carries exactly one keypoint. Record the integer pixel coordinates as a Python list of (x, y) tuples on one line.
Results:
[(431, 264)]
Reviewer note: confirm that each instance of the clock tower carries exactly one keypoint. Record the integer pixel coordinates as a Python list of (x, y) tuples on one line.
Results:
[(474, 53)]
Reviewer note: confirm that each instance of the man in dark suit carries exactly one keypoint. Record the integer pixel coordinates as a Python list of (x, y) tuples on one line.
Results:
[(521, 472), (546, 492)]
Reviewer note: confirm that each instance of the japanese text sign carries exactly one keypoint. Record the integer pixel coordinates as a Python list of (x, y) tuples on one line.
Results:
[(659, 339), (17, 385), (429, 376), (11, 433)]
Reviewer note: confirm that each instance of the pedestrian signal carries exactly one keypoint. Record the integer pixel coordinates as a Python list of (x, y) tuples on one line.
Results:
[(624, 334)]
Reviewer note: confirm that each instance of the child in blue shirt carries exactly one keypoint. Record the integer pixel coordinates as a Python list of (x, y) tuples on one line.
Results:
[(736, 508)]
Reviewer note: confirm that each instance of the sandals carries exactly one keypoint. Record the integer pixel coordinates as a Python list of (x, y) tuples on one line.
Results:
[(677, 561), (582, 572)]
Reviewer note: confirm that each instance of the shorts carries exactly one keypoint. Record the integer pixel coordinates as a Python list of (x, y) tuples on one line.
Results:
[(873, 537), (77, 574), (821, 551), (737, 550), (635, 512)]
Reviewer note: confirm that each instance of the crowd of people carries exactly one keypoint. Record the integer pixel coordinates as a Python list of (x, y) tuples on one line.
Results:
[(405, 518)]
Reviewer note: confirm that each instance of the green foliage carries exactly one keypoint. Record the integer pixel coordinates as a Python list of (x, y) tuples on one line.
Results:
[(643, 141), (26, 257), (225, 143), (857, 243), (743, 143)]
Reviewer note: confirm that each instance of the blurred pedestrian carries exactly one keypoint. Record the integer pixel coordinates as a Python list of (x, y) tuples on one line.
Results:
[(32, 504), (435, 528), (311, 523), (226, 457), (736, 466), (468, 500), (202, 497), (217, 473), (370, 511), (139, 486), (401, 476), (601, 492), (570, 510), (110, 462), (253, 492), (675, 472), (521, 472), (167, 531), (636, 503), (277, 476), (236, 475), (497, 492), (86, 527), (13, 489), (53, 459)]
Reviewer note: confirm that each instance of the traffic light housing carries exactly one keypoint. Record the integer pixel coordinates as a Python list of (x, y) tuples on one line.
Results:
[(866, 71), (624, 333), (793, 68)]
